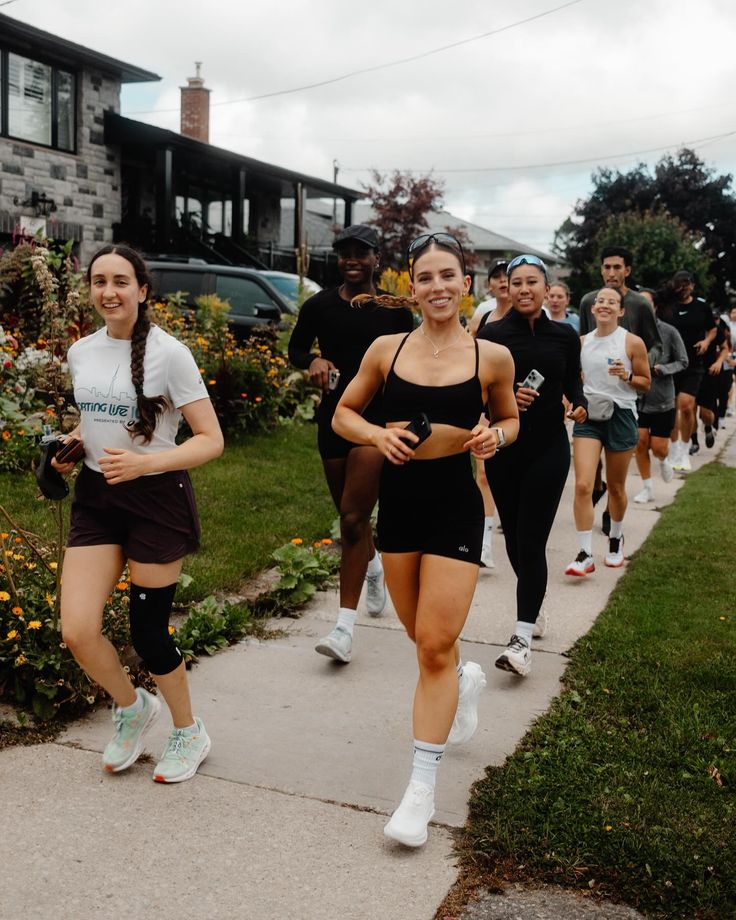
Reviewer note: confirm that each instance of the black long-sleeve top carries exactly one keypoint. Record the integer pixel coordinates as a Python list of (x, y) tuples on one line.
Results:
[(344, 334), (552, 349)]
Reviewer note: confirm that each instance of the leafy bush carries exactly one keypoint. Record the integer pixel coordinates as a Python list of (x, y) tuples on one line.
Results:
[(303, 571)]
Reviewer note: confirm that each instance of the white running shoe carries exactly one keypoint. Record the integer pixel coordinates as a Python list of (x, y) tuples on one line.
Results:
[(542, 622), (409, 822), (666, 470), (486, 556), (517, 657), (685, 465), (676, 455), (466, 717), (375, 594), (338, 645), (581, 565), (615, 555), (644, 496)]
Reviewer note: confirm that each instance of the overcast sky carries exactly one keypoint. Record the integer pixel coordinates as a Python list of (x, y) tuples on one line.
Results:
[(600, 81)]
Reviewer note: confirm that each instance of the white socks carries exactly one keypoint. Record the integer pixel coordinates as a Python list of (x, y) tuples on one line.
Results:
[(585, 540), (617, 529), (426, 760), (647, 483), (346, 619), (524, 630), (375, 566)]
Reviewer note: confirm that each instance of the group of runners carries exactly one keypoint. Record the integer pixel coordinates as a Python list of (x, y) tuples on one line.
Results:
[(432, 421)]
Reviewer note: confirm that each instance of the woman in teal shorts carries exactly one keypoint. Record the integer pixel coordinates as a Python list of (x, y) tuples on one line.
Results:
[(615, 369)]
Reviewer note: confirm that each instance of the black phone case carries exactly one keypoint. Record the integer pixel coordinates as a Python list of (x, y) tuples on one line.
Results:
[(70, 451), (421, 427)]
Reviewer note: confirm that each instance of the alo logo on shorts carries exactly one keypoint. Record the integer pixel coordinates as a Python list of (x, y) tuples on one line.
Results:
[(463, 549)]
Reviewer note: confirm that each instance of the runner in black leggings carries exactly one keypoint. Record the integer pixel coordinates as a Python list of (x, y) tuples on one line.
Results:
[(527, 478), (344, 334)]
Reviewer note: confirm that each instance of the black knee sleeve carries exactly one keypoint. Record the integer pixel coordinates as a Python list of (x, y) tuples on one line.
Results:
[(149, 628)]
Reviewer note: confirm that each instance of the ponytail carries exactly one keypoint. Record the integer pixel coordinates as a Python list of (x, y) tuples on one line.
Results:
[(392, 301)]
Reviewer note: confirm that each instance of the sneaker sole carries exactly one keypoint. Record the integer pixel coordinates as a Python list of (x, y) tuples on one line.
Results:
[(576, 574), (614, 565), (505, 665), (323, 648), (478, 687), (155, 710), (158, 778), (406, 840)]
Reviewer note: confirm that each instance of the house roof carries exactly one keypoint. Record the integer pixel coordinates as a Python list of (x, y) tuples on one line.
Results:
[(130, 133), (28, 40)]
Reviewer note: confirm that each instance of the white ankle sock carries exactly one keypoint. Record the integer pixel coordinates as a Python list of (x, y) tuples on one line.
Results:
[(617, 529), (375, 566), (647, 483), (524, 630), (346, 619), (426, 760), (585, 540)]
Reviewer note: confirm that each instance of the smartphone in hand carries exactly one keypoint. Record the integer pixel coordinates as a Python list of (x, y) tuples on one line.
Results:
[(70, 451), (421, 427), (533, 380)]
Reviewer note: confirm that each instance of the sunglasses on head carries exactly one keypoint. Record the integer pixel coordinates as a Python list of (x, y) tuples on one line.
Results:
[(526, 260), (426, 239)]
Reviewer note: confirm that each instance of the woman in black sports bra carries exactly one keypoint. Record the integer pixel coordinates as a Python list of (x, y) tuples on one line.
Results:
[(430, 519)]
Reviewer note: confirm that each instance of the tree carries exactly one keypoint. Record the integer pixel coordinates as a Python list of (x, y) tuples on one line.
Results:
[(682, 187), (401, 203)]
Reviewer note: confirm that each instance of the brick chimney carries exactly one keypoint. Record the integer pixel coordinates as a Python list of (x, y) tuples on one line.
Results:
[(195, 108)]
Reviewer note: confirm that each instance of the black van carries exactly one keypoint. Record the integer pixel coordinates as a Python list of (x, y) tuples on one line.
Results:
[(253, 300)]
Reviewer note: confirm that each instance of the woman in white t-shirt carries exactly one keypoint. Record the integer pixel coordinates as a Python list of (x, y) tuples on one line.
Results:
[(133, 503), (615, 369)]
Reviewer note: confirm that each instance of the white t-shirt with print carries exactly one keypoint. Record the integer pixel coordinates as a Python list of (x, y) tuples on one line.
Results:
[(105, 395)]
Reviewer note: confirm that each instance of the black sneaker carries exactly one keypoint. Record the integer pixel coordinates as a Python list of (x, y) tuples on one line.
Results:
[(694, 448), (710, 436), (606, 522)]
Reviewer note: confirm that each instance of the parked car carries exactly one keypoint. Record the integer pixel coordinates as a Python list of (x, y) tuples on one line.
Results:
[(253, 300), (289, 285)]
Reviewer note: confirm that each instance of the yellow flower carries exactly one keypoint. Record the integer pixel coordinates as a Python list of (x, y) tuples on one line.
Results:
[(17, 611), (122, 586), (211, 382), (172, 630), (34, 624), (13, 634), (297, 541), (21, 659), (50, 600), (4, 596), (53, 565)]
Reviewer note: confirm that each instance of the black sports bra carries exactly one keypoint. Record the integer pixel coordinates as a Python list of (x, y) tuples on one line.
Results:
[(457, 404)]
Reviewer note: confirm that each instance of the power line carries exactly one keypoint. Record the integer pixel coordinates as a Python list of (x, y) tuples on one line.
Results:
[(611, 156), (375, 67)]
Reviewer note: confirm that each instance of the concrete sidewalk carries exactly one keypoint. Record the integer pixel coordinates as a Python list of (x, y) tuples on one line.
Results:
[(309, 757)]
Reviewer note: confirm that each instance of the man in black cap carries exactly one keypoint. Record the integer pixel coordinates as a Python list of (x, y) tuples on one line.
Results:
[(343, 334)]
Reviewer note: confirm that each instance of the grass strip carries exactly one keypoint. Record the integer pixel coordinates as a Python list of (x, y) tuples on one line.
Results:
[(626, 786), (261, 493)]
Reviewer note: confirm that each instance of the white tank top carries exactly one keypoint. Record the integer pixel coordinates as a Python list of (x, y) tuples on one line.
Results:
[(597, 353)]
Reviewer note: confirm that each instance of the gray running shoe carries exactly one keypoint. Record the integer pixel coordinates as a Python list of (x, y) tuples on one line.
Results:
[(517, 658), (338, 645), (375, 596)]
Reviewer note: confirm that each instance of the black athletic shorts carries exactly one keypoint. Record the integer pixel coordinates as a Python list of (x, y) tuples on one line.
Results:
[(153, 518), (329, 443), (689, 380), (658, 424), (708, 393), (432, 507)]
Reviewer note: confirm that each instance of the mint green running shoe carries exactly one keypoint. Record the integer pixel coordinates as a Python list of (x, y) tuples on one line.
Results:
[(184, 752), (127, 743)]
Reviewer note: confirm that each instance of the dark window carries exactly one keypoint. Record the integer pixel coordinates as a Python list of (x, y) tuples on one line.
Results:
[(37, 102), (244, 295), (171, 281)]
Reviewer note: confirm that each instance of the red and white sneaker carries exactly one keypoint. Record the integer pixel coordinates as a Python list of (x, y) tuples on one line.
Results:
[(615, 555), (581, 565)]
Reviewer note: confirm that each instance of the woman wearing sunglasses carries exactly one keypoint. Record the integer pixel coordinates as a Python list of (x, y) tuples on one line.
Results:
[(430, 519), (527, 479)]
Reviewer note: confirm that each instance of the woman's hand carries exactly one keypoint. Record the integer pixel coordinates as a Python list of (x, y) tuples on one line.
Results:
[(578, 414), (525, 396), (319, 371), (617, 369), (484, 442), (66, 468), (123, 465), (392, 444)]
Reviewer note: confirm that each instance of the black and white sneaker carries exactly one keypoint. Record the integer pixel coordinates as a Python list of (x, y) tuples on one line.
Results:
[(517, 658)]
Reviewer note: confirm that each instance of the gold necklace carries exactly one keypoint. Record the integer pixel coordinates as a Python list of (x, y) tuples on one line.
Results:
[(435, 350)]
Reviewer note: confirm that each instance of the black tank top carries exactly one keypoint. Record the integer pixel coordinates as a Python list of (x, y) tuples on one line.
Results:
[(457, 404)]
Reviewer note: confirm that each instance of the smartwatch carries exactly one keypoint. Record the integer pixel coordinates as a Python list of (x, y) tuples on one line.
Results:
[(501, 435)]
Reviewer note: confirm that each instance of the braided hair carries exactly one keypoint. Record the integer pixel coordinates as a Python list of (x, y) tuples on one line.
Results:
[(392, 301), (149, 407)]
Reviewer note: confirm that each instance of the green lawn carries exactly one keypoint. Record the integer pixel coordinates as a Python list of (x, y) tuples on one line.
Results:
[(627, 785), (257, 496)]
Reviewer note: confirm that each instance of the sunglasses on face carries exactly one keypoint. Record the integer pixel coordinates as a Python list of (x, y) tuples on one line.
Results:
[(426, 239), (527, 260)]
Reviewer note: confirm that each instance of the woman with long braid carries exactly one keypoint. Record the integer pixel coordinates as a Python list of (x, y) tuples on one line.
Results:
[(133, 503)]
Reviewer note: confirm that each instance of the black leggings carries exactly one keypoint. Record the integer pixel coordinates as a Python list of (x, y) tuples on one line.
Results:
[(527, 480)]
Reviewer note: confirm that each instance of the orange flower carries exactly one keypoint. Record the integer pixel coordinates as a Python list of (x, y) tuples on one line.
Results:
[(327, 541), (297, 541), (4, 535), (6, 435), (18, 540), (21, 659), (17, 611), (122, 586), (211, 382), (259, 399)]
